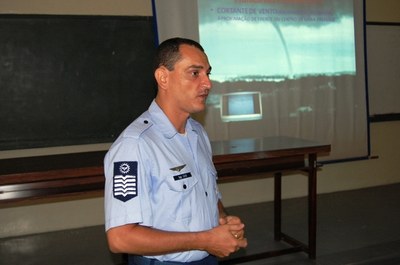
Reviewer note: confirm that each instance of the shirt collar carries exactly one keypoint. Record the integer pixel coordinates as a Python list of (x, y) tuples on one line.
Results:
[(163, 123)]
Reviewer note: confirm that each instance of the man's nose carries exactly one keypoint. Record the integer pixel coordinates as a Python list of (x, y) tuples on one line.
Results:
[(206, 82)]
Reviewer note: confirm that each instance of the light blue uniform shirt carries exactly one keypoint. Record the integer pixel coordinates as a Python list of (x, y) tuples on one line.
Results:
[(159, 178)]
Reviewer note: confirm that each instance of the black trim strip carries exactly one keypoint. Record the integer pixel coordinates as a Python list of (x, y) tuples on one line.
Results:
[(384, 117)]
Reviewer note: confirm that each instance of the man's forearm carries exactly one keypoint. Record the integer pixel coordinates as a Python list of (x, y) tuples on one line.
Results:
[(136, 239)]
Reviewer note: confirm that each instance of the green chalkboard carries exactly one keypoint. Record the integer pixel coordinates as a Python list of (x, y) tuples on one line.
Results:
[(68, 80)]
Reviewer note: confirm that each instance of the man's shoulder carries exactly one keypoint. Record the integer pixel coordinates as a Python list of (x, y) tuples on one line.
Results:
[(138, 126), (129, 139)]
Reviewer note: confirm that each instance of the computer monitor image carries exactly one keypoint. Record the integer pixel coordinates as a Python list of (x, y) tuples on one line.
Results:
[(241, 106)]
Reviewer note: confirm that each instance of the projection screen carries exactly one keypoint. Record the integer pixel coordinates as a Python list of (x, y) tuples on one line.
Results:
[(279, 68)]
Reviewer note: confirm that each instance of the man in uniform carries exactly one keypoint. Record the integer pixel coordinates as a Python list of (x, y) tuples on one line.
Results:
[(162, 203)]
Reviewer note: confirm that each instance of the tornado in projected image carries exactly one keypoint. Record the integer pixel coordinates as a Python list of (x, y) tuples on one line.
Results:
[(282, 38)]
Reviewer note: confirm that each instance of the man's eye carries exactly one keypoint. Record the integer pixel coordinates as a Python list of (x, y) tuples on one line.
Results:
[(195, 73)]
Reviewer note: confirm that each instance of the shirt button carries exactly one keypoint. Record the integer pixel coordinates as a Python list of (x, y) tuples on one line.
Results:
[(146, 121), (184, 186), (206, 193)]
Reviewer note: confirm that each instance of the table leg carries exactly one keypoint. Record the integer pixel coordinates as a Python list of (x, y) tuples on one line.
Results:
[(312, 205), (278, 206)]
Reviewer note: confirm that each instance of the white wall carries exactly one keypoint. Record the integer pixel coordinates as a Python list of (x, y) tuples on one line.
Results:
[(58, 215)]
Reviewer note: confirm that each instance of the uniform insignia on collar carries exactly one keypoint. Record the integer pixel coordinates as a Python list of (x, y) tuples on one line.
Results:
[(178, 168)]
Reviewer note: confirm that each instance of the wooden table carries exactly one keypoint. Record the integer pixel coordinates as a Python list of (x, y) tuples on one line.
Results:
[(236, 159), (33, 179)]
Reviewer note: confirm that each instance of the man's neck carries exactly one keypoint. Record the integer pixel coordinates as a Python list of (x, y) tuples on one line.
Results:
[(177, 119)]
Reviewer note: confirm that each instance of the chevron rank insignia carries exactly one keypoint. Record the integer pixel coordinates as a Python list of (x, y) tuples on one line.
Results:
[(125, 180)]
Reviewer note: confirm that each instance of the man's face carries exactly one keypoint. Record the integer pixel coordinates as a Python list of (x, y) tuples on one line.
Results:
[(189, 82)]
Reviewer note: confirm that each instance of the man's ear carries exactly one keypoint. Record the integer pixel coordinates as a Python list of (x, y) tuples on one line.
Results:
[(161, 76)]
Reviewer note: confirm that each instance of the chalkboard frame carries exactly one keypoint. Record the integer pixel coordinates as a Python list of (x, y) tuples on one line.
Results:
[(72, 79)]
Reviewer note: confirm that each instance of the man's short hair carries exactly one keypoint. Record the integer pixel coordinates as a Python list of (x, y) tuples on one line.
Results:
[(168, 52)]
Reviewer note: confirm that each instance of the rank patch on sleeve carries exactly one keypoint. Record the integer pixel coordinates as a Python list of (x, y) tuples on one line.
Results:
[(125, 180)]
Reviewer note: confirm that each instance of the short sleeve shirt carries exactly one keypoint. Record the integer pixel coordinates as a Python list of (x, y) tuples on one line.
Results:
[(159, 178)]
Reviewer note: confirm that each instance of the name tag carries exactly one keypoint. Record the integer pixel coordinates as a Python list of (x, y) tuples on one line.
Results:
[(183, 176)]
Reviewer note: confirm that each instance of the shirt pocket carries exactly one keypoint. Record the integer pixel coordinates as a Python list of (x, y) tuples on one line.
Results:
[(182, 187)]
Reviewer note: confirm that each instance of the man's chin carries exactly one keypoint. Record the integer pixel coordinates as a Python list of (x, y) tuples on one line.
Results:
[(199, 108)]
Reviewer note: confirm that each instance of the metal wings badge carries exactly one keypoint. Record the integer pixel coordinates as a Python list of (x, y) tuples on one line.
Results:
[(178, 168)]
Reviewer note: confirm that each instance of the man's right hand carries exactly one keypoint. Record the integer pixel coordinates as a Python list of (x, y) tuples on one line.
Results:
[(222, 241)]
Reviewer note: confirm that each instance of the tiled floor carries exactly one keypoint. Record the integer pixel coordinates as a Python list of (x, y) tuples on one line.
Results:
[(360, 227)]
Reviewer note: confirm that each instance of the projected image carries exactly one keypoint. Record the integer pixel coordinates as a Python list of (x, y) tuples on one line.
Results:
[(268, 40)]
